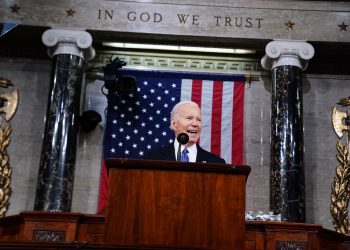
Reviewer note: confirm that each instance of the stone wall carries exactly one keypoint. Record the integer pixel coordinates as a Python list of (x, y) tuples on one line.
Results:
[(320, 95), (297, 20)]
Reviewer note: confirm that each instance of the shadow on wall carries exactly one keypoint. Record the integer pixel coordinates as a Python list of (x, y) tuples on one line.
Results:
[(310, 149)]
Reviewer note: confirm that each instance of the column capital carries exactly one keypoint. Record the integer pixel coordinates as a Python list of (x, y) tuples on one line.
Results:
[(69, 41), (287, 52)]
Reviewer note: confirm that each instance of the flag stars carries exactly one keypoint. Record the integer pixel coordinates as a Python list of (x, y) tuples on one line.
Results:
[(141, 120), (112, 150)]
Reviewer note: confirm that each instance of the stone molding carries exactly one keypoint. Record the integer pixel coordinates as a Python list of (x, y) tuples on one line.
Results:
[(68, 41), (168, 61), (254, 19), (287, 52)]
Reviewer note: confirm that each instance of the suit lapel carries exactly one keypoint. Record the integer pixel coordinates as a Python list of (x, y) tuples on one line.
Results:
[(200, 156), (171, 152)]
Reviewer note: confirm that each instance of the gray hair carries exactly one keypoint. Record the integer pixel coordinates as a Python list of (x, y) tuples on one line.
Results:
[(176, 108)]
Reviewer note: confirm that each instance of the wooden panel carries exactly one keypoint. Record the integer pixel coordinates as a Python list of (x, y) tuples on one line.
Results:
[(11, 227), (90, 234), (187, 208), (286, 235), (91, 228), (47, 226), (254, 240), (35, 245)]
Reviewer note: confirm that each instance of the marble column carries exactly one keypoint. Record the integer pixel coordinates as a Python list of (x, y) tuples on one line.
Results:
[(287, 59), (69, 50)]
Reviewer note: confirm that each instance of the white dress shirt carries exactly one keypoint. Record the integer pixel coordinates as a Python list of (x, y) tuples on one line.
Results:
[(192, 151)]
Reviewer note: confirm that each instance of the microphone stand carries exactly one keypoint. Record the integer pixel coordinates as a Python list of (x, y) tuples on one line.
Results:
[(182, 139)]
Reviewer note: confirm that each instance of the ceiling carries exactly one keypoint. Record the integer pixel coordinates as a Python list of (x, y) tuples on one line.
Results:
[(25, 42)]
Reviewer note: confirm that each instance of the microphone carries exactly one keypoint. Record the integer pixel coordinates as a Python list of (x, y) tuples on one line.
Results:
[(182, 139)]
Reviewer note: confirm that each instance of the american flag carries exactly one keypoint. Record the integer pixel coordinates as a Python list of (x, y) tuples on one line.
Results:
[(139, 122)]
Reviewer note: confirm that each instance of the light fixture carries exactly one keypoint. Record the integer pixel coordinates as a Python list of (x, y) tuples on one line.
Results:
[(177, 48)]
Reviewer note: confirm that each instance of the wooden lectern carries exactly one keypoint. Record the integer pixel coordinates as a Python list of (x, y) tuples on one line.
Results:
[(174, 204), (156, 205)]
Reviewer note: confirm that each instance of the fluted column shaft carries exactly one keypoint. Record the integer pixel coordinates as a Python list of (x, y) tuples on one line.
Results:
[(287, 60), (69, 50)]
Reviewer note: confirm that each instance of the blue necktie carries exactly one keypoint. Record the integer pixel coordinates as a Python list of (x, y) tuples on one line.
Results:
[(184, 155)]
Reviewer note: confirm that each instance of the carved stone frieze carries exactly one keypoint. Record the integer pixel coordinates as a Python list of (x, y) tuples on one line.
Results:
[(178, 62), (307, 20)]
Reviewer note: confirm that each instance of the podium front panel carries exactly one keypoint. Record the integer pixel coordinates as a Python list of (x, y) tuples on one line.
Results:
[(176, 205)]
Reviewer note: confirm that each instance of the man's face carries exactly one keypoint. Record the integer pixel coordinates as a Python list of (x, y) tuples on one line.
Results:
[(188, 120)]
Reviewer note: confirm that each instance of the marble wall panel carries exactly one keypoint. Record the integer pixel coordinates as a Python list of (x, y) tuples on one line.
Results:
[(32, 81)]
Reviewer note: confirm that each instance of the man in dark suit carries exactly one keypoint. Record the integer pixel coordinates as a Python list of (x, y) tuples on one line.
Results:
[(186, 117)]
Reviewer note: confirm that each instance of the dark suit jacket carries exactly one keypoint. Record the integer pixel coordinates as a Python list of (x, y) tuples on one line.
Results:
[(167, 153)]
